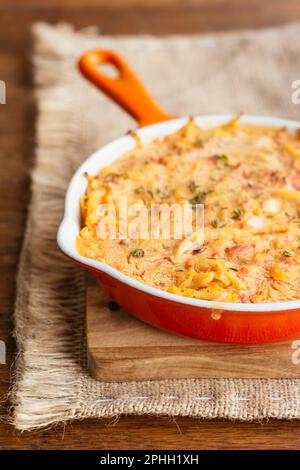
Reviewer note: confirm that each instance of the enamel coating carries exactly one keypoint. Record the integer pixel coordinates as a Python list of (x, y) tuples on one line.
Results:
[(213, 321)]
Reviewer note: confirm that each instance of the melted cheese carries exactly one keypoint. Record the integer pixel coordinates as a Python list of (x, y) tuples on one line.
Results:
[(248, 179)]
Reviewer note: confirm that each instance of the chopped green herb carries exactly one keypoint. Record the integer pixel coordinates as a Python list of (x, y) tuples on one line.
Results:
[(222, 158), (200, 197), (138, 253), (216, 223), (193, 186), (237, 213), (287, 254), (199, 143)]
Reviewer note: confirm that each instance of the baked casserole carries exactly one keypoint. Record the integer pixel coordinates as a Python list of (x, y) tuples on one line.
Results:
[(248, 179)]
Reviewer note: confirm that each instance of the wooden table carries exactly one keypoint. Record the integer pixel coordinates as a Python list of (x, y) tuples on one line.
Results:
[(17, 152)]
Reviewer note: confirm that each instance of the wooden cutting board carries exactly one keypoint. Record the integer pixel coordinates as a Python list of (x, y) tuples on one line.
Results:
[(120, 347)]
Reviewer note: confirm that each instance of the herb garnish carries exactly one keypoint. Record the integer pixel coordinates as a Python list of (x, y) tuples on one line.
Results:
[(141, 190), (193, 186), (216, 223), (238, 213), (200, 197), (199, 143), (287, 254), (222, 158), (138, 253)]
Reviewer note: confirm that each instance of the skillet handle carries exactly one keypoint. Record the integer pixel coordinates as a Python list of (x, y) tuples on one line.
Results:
[(126, 89)]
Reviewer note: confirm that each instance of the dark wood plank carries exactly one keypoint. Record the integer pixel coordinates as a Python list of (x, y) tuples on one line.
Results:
[(16, 154)]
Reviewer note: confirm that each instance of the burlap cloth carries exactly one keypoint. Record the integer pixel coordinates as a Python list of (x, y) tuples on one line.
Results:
[(249, 71)]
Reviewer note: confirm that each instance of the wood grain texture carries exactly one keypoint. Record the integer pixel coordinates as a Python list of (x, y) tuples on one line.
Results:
[(121, 348), (16, 154)]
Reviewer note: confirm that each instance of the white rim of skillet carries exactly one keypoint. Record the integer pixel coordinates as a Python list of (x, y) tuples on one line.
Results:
[(70, 225)]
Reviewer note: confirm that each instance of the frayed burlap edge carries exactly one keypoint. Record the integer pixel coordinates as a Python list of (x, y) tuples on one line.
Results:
[(52, 384)]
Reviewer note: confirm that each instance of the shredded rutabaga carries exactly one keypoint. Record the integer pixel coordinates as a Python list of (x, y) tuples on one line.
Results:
[(248, 179)]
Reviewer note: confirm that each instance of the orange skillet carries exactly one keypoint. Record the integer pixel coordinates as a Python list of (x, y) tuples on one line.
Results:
[(222, 322)]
